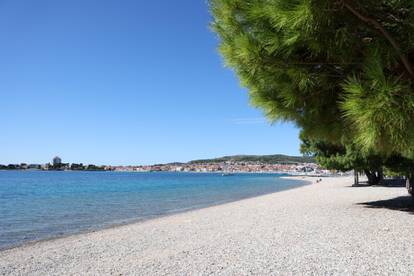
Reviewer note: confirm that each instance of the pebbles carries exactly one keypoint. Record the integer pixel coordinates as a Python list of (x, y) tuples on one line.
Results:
[(324, 228)]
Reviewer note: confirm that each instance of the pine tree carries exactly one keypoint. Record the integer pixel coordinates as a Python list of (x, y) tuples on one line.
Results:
[(349, 157), (340, 70)]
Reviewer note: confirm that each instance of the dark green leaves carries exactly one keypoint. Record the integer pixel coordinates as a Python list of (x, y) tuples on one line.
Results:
[(317, 64)]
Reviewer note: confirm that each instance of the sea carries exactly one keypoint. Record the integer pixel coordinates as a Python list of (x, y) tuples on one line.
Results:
[(39, 205)]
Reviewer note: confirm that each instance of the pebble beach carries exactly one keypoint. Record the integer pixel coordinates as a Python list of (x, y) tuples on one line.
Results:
[(323, 228)]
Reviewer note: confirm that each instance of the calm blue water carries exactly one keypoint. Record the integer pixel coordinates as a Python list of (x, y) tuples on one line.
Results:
[(37, 205)]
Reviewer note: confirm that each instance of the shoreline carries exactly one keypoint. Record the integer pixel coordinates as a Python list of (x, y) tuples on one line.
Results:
[(307, 181), (325, 228)]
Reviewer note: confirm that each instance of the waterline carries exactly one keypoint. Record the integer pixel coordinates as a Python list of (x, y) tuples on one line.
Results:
[(41, 205)]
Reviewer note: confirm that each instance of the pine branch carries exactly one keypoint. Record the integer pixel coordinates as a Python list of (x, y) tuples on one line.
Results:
[(378, 26), (324, 63)]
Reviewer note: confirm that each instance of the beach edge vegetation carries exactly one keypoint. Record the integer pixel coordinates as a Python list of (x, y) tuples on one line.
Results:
[(340, 70)]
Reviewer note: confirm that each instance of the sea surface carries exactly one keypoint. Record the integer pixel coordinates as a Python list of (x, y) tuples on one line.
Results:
[(38, 205)]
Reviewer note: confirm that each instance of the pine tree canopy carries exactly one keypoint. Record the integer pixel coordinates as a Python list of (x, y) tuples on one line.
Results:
[(340, 70)]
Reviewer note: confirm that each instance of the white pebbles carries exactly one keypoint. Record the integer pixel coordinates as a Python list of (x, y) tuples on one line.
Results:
[(325, 228)]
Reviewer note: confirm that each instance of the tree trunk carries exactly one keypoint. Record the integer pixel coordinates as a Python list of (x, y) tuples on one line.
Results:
[(371, 177), (409, 183), (356, 178), (380, 178), (374, 177)]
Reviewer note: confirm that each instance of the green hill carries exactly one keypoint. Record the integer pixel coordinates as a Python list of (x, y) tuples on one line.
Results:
[(268, 159)]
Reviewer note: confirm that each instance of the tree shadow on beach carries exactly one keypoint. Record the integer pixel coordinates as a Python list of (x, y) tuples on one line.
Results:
[(388, 183), (402, 203)]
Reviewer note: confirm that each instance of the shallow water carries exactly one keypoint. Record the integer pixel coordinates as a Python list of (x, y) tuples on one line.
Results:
[(36, 205)]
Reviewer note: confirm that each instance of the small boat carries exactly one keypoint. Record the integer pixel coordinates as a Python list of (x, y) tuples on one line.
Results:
[(226, 171), (227, 174)]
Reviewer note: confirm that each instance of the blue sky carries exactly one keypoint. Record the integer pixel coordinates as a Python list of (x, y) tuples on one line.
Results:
[(122, 82)]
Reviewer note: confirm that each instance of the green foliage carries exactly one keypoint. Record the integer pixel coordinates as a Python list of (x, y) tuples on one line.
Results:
[(267, 159), (380, 109), (349, 157), (339, 157), (399, 165), (340, 70)]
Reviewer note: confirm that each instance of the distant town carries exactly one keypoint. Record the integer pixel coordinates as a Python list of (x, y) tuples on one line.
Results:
[(230, 167), (221, 165)]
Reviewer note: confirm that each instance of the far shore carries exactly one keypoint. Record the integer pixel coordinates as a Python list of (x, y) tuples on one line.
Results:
[(329, 227), (288, 174)]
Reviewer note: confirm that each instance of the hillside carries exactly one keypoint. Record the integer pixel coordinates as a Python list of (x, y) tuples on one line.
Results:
[(268, 159)]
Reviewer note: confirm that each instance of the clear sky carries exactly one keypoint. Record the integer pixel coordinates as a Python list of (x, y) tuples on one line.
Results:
[(122, 82)]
